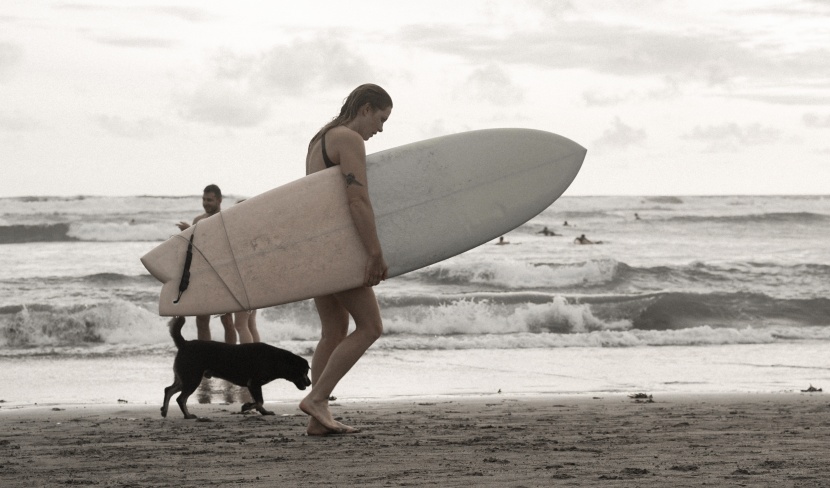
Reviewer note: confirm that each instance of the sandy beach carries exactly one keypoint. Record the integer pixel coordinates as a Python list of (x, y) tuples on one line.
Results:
[(613, 440)]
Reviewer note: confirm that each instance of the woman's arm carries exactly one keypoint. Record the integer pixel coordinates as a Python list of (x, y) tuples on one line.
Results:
[(352, 155)]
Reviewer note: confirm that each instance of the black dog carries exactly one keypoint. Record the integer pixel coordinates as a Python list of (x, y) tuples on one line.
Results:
[(250, 365)]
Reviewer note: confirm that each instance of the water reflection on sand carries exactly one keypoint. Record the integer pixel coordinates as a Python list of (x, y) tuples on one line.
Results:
[(217, 390)]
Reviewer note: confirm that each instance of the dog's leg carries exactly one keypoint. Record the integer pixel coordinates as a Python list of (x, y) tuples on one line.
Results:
[(187, 389), (256, 392), (169, 392)]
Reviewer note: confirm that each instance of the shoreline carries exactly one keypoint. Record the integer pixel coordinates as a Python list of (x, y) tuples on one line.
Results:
[(679, 439), (404, 375), (464, 398)]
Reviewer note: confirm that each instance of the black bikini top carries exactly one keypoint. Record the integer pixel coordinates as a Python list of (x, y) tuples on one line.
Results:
[(326, 159)]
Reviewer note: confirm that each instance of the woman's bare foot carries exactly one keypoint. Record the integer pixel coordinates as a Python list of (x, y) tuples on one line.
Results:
[(316, 428), (319, 411)]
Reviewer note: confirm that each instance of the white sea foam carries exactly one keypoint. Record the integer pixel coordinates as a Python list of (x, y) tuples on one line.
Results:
[(513, 274), (121, 231), (677, 276), (696, 336)]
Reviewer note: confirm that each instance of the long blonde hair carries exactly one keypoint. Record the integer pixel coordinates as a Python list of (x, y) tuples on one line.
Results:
[(368, 93)]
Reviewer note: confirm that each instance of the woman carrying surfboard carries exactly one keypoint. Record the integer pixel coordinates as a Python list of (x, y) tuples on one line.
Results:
[(341, 143)]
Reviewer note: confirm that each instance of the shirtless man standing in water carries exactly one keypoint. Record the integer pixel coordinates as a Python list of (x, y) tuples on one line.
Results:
[(212, 203), (341, 143)]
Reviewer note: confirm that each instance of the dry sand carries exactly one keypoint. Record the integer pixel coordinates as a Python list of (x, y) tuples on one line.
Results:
[(701, 440)]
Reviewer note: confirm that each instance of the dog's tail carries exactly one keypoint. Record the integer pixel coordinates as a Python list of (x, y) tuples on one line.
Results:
[(175, 325)]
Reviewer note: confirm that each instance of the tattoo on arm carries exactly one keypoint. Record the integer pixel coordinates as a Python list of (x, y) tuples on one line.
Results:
[(351, 180)]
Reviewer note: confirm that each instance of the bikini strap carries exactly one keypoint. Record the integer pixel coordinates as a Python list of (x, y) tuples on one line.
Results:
[(326, 159)]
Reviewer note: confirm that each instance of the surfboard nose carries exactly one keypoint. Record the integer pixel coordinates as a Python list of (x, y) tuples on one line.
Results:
[(556, 144), (566, 155)]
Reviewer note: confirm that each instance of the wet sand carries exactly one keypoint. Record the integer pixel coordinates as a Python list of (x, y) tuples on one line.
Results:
[(696, 440)]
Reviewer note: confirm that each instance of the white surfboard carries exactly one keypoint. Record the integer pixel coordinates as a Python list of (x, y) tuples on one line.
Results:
[(432, 199)]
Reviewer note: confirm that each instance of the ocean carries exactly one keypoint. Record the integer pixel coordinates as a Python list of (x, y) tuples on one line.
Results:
[(683, 294)]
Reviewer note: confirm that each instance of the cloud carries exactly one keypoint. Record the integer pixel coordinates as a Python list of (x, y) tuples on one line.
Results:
[(189, 14), (794, 10), (295, 68), (136, 129), (243, 87), (717, 58), (594, 99), (148, 15), (79, 6), (731, 136), (551, 8), (223, 104), (10, 56), (612, 49), (308, 64), (669, 89), (620, 136), (493, 84), (137, 42), (787, 99), (816, 121), (17, 122)]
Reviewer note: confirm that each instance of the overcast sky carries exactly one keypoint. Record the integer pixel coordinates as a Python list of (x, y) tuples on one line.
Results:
[(163, 97)]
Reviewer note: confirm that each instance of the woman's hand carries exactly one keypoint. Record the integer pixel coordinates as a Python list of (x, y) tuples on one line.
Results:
[(376, 270)]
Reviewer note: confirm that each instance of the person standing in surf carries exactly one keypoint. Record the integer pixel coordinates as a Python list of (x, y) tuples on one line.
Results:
[(341, 143), (212, 203)]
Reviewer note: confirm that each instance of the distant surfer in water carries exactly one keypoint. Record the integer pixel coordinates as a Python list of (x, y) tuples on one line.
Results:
[(547, 232), (502, 242), (341, 143), (212, 203), (584, 240)]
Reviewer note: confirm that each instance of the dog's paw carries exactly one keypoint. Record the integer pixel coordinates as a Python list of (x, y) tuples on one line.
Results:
[(248, 406), (266, 412), (191, 417)]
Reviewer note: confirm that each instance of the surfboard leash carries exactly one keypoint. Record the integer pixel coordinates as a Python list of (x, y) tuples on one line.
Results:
[(185, 281)]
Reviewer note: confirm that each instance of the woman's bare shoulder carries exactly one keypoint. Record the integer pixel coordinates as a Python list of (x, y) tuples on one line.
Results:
[(343, 135)]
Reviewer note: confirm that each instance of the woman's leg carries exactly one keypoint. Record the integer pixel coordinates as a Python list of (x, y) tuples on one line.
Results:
[(203, 327), (230, 332), (334, 319), (240, 322), (338, 354), (252, 327)]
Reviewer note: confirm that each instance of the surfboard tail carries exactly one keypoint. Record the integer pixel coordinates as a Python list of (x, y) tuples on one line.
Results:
[(160, 263)]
